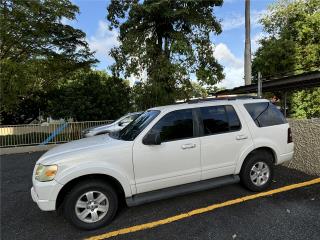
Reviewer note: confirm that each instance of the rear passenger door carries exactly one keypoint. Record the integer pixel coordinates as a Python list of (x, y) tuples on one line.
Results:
[(223, 138)]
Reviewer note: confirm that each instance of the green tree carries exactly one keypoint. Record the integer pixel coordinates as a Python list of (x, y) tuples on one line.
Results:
[(292, 43), (291, 46), (168, 40), (306, 103), (37, 49), (90, 96), (140, 96), (192, 90)]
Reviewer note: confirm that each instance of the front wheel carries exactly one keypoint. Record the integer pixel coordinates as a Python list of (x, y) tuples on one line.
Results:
[(91, 204), (257, 171)]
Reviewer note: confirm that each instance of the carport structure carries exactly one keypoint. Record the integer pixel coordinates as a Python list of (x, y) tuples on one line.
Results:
[(282, 85)]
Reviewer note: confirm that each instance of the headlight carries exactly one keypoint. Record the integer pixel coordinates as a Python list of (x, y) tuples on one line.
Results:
[(46, 173)]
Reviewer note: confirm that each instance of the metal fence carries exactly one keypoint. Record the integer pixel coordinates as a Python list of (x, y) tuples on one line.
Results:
[(35, 134)]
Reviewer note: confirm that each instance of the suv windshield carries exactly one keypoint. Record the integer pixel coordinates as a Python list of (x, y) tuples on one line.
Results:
[(133, 129)]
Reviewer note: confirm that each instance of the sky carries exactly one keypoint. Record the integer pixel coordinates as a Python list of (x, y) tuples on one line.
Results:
[(229, 45)]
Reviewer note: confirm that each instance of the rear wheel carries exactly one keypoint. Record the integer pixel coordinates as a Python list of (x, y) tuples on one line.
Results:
[(257, 171), (91, 204)]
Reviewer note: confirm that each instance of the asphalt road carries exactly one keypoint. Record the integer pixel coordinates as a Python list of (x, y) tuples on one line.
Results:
[(293, 214)]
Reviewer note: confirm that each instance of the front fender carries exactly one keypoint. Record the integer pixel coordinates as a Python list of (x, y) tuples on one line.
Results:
[(66, 174)]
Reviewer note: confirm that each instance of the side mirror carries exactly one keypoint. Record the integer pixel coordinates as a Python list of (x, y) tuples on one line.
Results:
[(152, 139)]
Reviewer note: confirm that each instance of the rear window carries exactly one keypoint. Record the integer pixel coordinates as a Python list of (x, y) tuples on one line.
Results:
[(265, 114)]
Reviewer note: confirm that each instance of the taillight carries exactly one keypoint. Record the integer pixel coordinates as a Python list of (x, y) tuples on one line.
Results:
[(289, 136)]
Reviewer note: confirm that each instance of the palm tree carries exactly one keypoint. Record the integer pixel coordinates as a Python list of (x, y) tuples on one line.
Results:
[(247, 50)]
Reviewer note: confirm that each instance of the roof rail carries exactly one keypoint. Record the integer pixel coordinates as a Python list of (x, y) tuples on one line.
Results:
[(221, 98)]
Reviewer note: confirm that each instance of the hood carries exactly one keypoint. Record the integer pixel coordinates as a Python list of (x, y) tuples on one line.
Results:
[(78, 145)]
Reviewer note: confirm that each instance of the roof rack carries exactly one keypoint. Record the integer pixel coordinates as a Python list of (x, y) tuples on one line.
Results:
[(221, 98)]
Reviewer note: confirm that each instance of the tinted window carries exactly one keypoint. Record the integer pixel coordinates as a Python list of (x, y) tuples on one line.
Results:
[(219, 119), (234, 122), (265, 114), (133, 129), (175, 125), (214, 120)]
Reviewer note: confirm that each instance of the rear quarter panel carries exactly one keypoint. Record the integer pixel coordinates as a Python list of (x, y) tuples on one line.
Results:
[(274, 137)]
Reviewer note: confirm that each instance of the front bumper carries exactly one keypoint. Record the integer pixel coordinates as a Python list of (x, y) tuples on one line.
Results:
[(45, 194), (44, 205)]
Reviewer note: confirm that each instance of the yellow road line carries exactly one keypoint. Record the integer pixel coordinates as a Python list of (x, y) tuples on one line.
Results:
[(201, 210)]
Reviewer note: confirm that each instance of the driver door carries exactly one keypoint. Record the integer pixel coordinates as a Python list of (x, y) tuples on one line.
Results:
[(176, 160)]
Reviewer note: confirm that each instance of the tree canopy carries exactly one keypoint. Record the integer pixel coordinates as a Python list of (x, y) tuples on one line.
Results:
[(89, 96), (292, 46), (167, 41), (37, 48), (292, 42)]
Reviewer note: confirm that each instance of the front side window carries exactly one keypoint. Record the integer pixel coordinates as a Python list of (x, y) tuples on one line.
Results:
[(133, 129), (175, 125), (265, 114), (219, 119)]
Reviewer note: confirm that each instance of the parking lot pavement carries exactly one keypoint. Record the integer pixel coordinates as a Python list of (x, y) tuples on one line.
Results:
[(292, 214)]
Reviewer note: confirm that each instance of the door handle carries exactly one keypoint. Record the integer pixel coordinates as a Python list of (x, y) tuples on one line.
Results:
[(188, 145), (241, 137)]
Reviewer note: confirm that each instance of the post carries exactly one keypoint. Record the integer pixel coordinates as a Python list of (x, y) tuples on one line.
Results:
[(247, 50), (259, 85), (285, 104)]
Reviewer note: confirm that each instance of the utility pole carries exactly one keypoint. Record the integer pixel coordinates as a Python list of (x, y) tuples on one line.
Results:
[(247, 50), (259, 85)]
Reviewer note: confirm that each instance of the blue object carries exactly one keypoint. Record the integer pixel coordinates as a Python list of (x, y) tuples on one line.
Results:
[(54, 134)]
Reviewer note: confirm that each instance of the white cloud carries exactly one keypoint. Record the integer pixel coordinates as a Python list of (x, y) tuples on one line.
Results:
[(236, 20), (232, 21), (233, 66), (223, 54), (102, 42)]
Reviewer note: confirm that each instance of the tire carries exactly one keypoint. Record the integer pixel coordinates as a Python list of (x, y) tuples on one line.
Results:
[(257, 171), (81, 205)]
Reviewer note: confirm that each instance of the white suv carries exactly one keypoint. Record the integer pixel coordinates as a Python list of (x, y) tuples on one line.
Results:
[(165, 152)]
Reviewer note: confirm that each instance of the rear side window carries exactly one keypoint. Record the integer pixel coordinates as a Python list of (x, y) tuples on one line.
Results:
[(219, 119), (175, 125), (234, 122), (265, 114)]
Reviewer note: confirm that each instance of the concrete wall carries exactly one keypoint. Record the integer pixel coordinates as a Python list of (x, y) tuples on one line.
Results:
[(306, 137)]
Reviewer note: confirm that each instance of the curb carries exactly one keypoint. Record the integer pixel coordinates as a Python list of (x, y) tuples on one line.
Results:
[(25, 149)]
